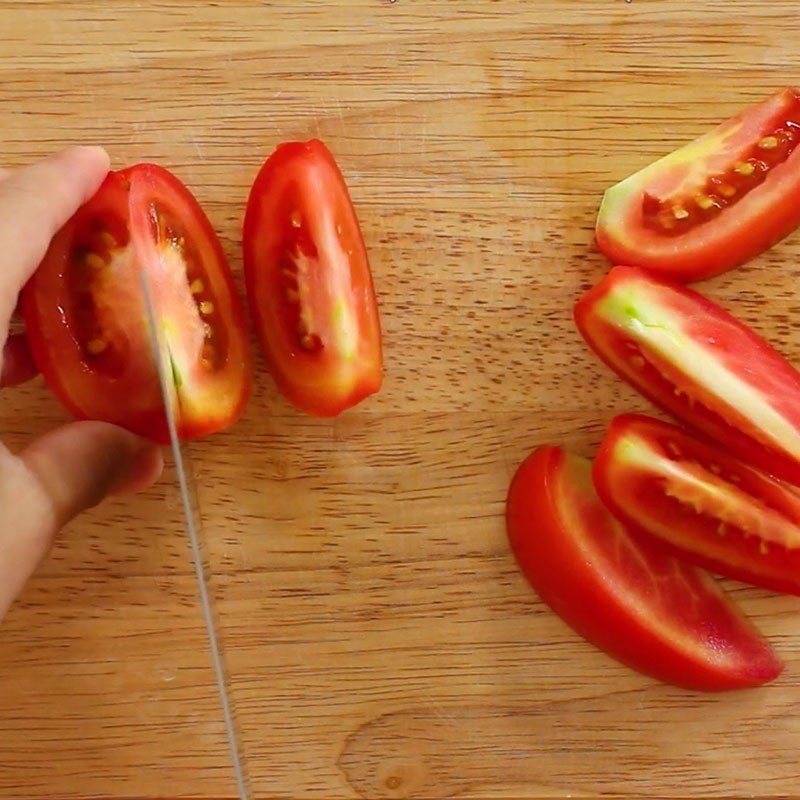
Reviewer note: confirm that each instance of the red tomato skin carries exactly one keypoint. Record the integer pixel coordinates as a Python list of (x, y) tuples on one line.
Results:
[(581, 596), (734, 341), (715, 246), (732, 555), (62, 367), (309, 383)]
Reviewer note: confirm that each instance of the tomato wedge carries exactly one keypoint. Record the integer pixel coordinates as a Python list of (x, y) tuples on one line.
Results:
[(87, 324), (716, 202), (309, 283), (628, 597), (708, 507), (699, 363)]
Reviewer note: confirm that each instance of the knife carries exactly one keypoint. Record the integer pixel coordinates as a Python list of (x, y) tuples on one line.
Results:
[(194, 542)]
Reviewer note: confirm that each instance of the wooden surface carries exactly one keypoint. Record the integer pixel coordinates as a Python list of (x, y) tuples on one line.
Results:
[(380, 641)]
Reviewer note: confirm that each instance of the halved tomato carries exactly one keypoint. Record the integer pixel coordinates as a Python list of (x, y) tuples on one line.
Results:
[(716, 202), (699, 363), (87, 324), (628, 597), (706, 506), (309, 283)]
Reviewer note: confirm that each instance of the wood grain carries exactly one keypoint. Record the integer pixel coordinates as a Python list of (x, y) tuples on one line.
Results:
[(380, 641)]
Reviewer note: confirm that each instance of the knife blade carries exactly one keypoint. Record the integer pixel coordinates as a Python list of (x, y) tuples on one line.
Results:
[(193, 532)]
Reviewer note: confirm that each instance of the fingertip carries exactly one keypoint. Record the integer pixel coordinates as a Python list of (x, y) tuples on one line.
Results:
[(89, 155), (144, 470), (17, 364), (88, 165)]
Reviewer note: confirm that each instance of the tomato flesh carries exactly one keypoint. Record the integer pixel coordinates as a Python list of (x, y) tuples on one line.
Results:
[(624, 594), (706, 506), (698, 363), (87, 322), (716, 202), (309, 282)]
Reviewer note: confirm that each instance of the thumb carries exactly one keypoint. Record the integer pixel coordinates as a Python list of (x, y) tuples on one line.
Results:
[(53, 480), (80, 464)]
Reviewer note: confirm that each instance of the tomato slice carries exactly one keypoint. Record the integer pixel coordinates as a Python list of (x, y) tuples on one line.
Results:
[(309, 283), (628, 597), (716, 202), (87, 324), (698, 363), (708, 507)]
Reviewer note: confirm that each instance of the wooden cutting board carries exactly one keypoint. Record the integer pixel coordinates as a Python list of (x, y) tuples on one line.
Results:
[(380, 641)]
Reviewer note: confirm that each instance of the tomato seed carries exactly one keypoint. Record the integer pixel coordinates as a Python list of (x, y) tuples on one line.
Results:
[(206, 308), (704, 202), (96, 346), (310, 341), (196, 286), (94, 261), (768, 143), (667, 222)]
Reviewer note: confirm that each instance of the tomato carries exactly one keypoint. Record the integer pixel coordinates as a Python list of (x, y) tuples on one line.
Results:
[(698, 363), (716, 202), (87, 324), (628, 597), (708, 507), (309, 282)]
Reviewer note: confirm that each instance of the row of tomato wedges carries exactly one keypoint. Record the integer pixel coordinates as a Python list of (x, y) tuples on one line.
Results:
[(620, 548)]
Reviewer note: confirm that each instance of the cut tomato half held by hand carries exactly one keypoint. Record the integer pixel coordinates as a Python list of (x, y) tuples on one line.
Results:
[(698, 363), (716, 202), (309, 283), (705, 505), (627, 596), (87, 323)]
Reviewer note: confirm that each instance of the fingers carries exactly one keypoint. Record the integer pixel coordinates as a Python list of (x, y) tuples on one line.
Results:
[(17, 364), (57, 477), (34, 203)]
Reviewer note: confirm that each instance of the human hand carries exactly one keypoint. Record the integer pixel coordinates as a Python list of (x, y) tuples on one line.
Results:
[(76, 466)]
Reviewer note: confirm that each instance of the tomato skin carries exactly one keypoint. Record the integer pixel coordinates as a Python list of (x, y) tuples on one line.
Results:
[(765, 215), (302, 240), (127, 392), (667, 619), (699, 363), (706, 506)]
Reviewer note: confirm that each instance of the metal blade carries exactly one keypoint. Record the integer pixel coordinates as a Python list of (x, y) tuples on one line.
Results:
[(194, 541)]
